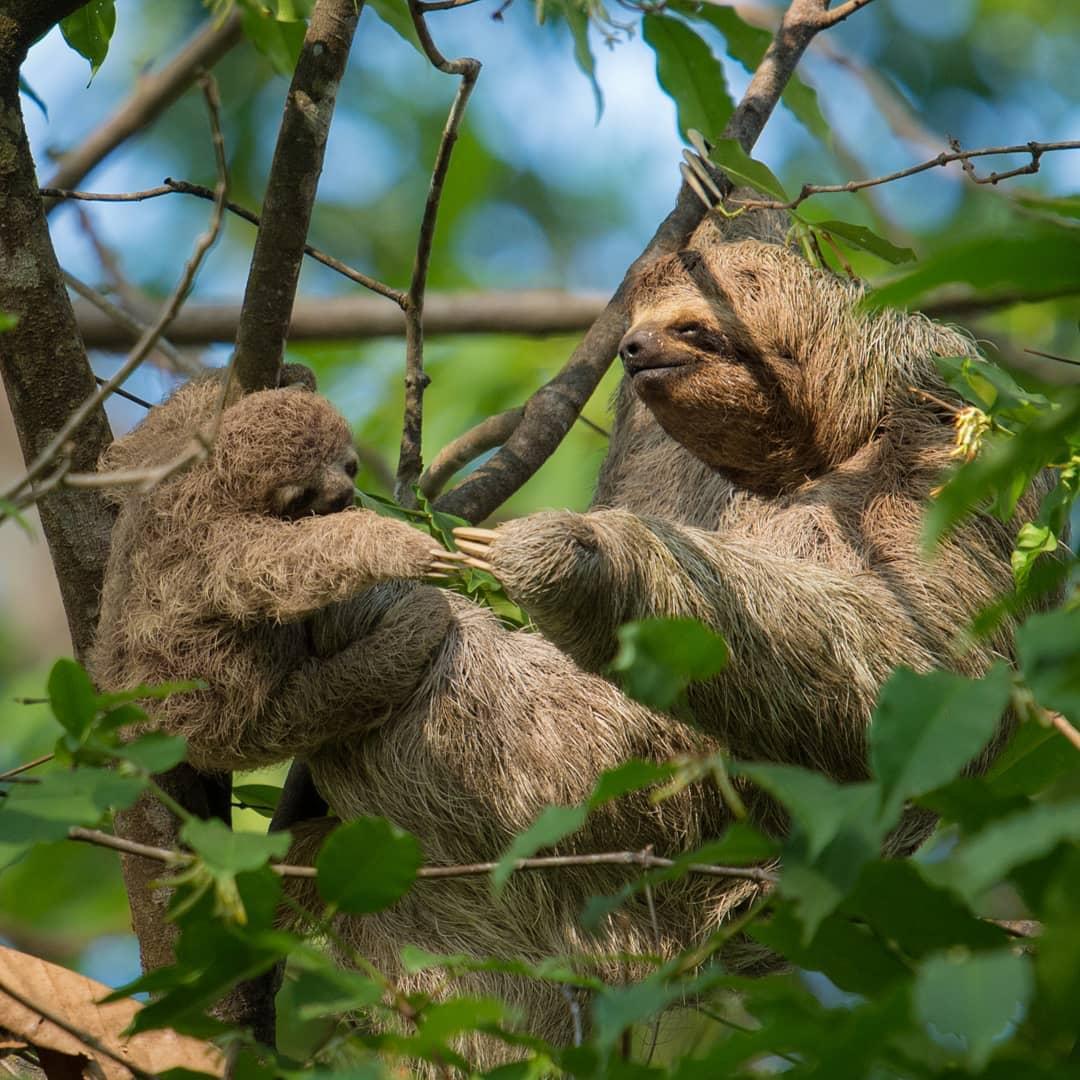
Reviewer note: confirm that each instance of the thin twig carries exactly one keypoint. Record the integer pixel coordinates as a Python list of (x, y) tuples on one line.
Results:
[(82, 1036), (486, 435), (1063, 727), (844, 11), (25, 767), (548, 862), (1036, 149), (1052, 356), (150, 337), (126, 395), (135, 327), (184, 187), (410, 459)]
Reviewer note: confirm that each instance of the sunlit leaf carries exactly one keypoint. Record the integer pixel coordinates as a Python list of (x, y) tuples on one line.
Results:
[(89, 30), (395, 13), (743, 169), (859, 236), (659, 658), (280, 42), (367, 864), (747, 44), (992, 259), (926, 728), (690, 75), (72, 697), (233, 852)]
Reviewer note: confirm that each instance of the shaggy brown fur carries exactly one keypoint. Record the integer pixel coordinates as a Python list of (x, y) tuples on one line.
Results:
[(798, 541), (217, 573)]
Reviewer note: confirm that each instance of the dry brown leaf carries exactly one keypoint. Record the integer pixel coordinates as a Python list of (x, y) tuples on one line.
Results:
[(73, 998)]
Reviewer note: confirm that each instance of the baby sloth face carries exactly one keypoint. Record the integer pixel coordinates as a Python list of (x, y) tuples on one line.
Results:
[(713, 383), (329, 488)]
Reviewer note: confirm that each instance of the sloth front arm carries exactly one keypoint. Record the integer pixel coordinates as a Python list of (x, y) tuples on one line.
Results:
[(810, 645), (260, 567)]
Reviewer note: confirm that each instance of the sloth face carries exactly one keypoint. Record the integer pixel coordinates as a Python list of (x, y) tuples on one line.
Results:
[(328, 489), (732, 401)]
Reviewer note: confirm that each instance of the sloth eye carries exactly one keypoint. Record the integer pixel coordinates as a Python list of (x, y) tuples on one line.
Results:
[(688, 329), (351, 467), (300, 504)]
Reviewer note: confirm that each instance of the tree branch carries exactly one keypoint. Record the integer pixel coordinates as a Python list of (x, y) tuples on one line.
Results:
[(551, 411), (410, 459), (644, 859), (532, 312), (42, 358), (1035, 149), (290, 192), (154, 93)]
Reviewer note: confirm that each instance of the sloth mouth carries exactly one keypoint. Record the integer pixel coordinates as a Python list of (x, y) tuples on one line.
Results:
[(657, 368)]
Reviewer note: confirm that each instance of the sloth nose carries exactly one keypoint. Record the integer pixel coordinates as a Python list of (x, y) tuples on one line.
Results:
[(639, 349)]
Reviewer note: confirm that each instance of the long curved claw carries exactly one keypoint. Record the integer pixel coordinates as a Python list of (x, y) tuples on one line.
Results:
[(468, 532), (471, 548)]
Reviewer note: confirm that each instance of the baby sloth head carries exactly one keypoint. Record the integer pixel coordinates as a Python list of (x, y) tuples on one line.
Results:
[(286, 453), (733, 395)]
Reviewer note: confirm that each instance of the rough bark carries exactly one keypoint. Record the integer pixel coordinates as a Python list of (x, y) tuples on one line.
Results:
[(290, 193)]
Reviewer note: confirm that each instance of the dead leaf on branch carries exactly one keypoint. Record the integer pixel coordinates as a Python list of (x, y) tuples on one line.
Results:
[(74, 999)]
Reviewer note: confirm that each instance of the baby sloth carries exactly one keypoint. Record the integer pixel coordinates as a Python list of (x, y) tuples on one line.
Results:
[(227, 573)]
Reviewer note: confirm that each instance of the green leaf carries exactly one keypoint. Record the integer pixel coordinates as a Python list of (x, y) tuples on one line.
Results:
[(985, 859), (89, 30), (926, 728), (232, 852), (973, 999), (850, 954), (154, 752), (990, 387), (1003, 470), (835, 831), (324, 989), (1031, 541), (280, 42), (859, 236), (1063, 206), (903, 908), (7, 320), (1011, 258), (72, 697), (262, 798), (1033, 758), (367, 864), (1049, 650), (45, 810), (747, 45), (659, 658), (578, 21), (150, 691), (743, 169), (690, 74), (28, 90), (395, 13), (554, 824)]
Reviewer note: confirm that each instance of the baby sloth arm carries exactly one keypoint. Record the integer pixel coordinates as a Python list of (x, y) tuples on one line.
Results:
[(266, 568)]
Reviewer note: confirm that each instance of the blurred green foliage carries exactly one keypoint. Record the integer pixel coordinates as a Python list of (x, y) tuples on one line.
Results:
[(938, 989)]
